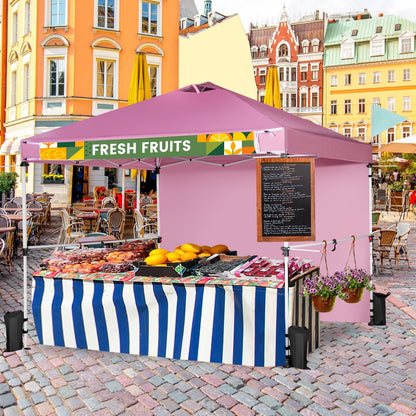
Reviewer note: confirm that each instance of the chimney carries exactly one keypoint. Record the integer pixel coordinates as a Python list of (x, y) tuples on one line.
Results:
[(359, 16), (380, 15)]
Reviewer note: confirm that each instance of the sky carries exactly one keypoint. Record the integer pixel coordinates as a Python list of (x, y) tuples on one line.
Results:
[(267, 12)]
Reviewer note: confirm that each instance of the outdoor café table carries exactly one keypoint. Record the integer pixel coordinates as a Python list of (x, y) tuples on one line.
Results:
[(199, 318), (96, 239), (6, 229), (93, 209), (89, 217), (33, 210)]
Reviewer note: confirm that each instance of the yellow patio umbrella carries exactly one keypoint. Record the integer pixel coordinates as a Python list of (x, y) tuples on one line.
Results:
[(139, 86), (272, 96)]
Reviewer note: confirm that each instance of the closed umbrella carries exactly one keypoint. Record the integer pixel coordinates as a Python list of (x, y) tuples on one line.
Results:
[(272, 96), (139, 91)]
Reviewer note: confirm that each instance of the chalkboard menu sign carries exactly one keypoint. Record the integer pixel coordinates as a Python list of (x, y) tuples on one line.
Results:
[(285, 199)]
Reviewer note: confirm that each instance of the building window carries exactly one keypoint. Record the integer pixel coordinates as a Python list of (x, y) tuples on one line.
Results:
[(406, 103), (56, 77), (347, 49), (391, 76), (315, 45), (406, 130), (314, 99), (375, 139), (283, 50), (361, 78), (106, 14), (333, 106), (262, 74), (26, 82), (305, 46), (149, 18), (361, 105), (334, 80), (304, 72), (361, 132), (281, 74), (263, 51), (391, 103), (303, 99), (347, 79), (376, 77), (57, 13), (154, 79), (13, 92), (293, 74), (376, 101), (53, 173), (347, 131), (347, 107), (293, 101), (406, 74), (27, 17), (315, 71), (15, 27), (105, 78), (254, 50), (377, 46), (391, 134), (407, 43)]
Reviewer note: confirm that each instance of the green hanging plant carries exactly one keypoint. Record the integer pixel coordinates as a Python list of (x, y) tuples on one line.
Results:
[(7, 181)]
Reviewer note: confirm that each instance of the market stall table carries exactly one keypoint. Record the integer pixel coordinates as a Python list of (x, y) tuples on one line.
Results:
[(96, 239)]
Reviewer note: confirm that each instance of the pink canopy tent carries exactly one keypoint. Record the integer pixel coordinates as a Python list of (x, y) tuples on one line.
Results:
[(194, 110), (210, 124)]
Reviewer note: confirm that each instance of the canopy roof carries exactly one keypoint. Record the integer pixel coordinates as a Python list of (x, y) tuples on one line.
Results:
[(202, 122)]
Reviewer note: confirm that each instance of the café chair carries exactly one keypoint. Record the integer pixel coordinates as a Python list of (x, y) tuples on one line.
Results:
[(116, 219), (400, 243), (71, 229), (385, 248), (141, 227), (8, 239), (109, 202), (38, 218), (12, 204), (17, 200)]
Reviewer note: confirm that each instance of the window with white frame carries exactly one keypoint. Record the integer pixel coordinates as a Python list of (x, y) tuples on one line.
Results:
[(254, 50), (407, 103), (315, 45), (26, 82), (293, 74), (56, 11), (333, 126), (347, 106), (305, 46), (391, 103), (315, 98), (376, 101), (361, 105), (347, 130), (333, 106), (406, 74), (391, 76), (150, 17), (303, 97), (255, 72), (376, 77), (106, 13), (13, 89), (391, 134), (361, 131), (283, 50), (303, 72), (334, 80), (263, 51), (27, 17), (56, 77), (361, 78), (315, 71), (347, 79), (262, 75), (105, 78), (407, 43), (15, 26), (377, 46), (347, 49), (375, 139), (406, 130), (154, 62), (293, 100)]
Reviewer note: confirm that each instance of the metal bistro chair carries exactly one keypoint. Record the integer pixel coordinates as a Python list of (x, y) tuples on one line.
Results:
[(38, 218), (400, 243), (71, 230), (8, 239), (12, 204), (142, 228), (384, 249)]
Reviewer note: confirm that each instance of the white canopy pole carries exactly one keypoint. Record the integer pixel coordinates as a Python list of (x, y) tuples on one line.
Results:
[(23, 166), (123, 188), (286, 263)]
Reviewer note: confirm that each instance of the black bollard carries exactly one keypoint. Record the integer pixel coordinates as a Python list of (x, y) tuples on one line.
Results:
[(14, 330), (298, 339), (379, 309)]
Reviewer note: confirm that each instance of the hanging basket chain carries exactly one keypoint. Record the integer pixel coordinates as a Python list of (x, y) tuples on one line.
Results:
[(323, 257), (352, 250)]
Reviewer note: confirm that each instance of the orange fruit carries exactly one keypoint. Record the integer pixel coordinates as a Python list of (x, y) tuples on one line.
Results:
[(219, 248), (156, 259), (179, 250), (173, 256), (206, 249), (188, 256), (204, 254), (191, 248), (157, 251)]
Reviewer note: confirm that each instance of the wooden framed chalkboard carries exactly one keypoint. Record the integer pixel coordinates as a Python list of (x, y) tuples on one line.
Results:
[(285, 199)]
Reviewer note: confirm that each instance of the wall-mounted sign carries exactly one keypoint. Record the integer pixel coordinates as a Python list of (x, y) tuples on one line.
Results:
[(285, 199)]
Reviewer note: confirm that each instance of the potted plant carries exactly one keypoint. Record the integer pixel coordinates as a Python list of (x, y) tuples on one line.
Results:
[(52, 178), (323, 290), (354, 281), (7, 183)]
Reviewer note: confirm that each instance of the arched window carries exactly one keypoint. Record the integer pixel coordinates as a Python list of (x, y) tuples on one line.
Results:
[(283, 50)]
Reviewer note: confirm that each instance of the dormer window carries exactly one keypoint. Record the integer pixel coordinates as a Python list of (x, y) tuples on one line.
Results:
[(379, 29), (397, 26), (305, 46), (377, 46), (406, 43), (315, 45), (254, 51), (263, 51), (347, 49), (354, 32), (283, 50)]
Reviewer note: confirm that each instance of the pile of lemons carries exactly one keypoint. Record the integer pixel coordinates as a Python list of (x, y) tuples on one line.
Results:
[(184, 252)]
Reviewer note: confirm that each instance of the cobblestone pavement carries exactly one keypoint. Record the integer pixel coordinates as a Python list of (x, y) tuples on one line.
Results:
[(359, 369)]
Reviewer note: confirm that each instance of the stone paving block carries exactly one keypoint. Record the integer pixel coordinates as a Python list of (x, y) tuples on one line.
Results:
[(223, 412), (178, 396), (241, 410), (262, 409), (191, 406), (172, 378), (209, 404), (161, 411), (38, 397), (11, 411), (271, 402), (245, 399), (7, 400), (212, 392), (227, 389), (235, 382), (113, 406)]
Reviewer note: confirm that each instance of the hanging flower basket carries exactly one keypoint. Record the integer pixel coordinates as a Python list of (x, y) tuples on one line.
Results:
[(323, 304), (353, 295)]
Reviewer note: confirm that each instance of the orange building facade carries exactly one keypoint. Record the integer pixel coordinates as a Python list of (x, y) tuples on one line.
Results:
[(69, 60)]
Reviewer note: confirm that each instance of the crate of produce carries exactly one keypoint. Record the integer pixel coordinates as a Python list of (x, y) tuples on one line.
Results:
[(179, 269), (221, 264)]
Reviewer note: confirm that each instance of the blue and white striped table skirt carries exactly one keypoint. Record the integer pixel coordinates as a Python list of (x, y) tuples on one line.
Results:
[(225, 324)]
